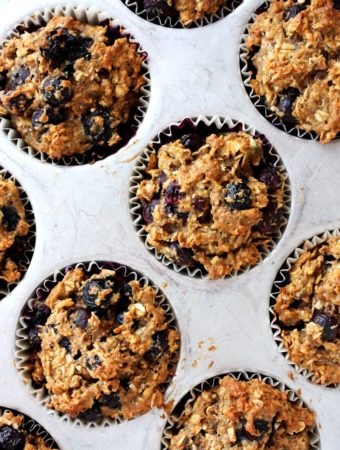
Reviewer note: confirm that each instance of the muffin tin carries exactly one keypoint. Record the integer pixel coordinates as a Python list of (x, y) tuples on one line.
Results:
[(82, 213)]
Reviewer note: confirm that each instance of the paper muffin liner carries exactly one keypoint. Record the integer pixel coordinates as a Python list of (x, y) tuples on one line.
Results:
[(280, 281), (208, 384), (257, 101), (137, 7), (32, 427), (214, 124), (128, 130), (24, 255), (23, 349)]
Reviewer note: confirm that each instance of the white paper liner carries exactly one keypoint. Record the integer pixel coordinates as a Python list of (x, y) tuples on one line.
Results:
[(171, 22), (239, 376), (29, 239), (138, 175), (23, 349), (256, 100), (278, 282), (32, 427), (93, 17)]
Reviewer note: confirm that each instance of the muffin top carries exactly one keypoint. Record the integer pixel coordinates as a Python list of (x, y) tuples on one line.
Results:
[(70, 86), (213, 202), (295, 56), (101, 346), (16, 436), (308, 309), (186, 11), (13, 226), (249, 415)]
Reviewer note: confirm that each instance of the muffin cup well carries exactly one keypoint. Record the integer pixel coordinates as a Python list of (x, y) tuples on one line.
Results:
[(279, 282), (23, 349), (32, 427), (257, 101), (128, 130), (214, 124), (24, 255), (191, 396), (137, 7)]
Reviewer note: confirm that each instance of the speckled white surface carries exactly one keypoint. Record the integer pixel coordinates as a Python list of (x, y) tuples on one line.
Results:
[(82, 213)]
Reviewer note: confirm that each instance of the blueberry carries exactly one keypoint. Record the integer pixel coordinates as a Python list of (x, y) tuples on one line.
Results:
[(286, 103), (19, 104), (271, 219), (121, 308), (161, 179), (158, 8), (11, 439), (68, 70), (293, 11), (172, 193), (3, 80), (97, 126), (159, 346), (10, 217), (18, 77), (261, 426), (192, 141), (183, 256), (110, 400), (33, 338), (328, 323), (238, 196), (91, 292), (56, 91), (65, 343), (93, 363), (91, 415), (42, 117), (269, 175), (112, 32), (148, 211), (41, 313), (63, 46), (81, 318), (200, 203)]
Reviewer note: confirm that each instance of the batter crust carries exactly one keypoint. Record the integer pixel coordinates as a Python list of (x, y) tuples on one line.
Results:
[(308, 310), (102, 346), (12, 226), (68, 86), (207, 206), (296, 63), (242, 415)]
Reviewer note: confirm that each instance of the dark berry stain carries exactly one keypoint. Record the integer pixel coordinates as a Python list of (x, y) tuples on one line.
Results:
[(148, 211), (110, 400), (10, 217), (269, 175)]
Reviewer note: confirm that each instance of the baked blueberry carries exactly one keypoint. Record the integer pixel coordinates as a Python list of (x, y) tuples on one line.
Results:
[(121, 308), (160, 345), (18, 77), (10, 217), (65, 343), (97, 126), (158, 8), (3, 80), (56, 91), (271, 218), (91, 415), (261, 426), (110, 400), (81, 318), (41, 313), (286, 103), (328, 323), (293, 11), (148, 211), (192, 141), (183, 256), (42, 117), (93, 294), (269, 175), (34, 338), (11, 439), (238, 196), (172, 193)]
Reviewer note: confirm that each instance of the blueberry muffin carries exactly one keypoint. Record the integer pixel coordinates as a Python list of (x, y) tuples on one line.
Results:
[(211, 202), (15, 435), (296, 69), (249, 415), (101, 346), (186, 11), (70, 86), (13, 229), (308, 310)]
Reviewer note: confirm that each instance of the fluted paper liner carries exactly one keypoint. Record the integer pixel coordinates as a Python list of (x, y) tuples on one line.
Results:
[(278, 283), (92, 16), (174, 22), (191, 396), (25, 258), (222, 124), (23, 349)]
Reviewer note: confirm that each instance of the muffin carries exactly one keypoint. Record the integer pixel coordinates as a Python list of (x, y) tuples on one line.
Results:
[(307, 307), (13, 229), (250, 415), (16, 435), (69, 87), (101, 346), (294, 57), (211, 202), (187, 11)]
